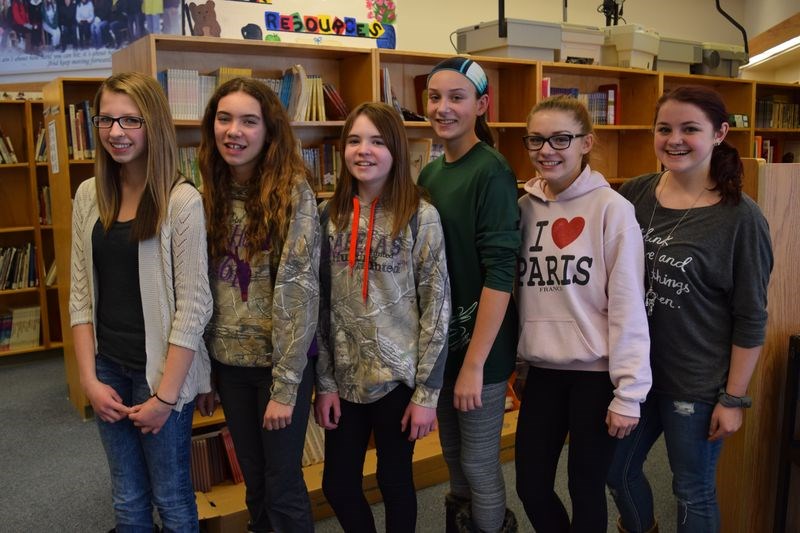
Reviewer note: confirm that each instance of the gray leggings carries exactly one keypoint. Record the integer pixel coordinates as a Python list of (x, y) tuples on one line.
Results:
[(471, 447)]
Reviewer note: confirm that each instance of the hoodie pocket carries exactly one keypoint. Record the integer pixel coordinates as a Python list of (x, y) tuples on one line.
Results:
[(554, 341)]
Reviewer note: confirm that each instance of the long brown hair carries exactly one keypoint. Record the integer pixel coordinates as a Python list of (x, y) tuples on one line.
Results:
[(269, 192), (400, 195), (162, 162)]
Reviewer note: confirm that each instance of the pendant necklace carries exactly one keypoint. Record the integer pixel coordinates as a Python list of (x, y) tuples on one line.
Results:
[(651, 295)]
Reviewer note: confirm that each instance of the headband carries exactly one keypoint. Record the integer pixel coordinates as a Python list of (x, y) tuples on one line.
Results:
[(466, 67)]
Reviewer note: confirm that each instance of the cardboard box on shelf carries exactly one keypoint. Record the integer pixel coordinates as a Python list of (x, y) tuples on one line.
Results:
[(580, 44), (526, 39), (630, 45)]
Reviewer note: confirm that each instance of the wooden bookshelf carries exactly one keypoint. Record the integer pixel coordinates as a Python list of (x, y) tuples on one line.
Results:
[(65, 174), (20, 223)]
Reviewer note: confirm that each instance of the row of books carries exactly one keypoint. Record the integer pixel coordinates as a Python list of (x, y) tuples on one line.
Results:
[(7, 153), (18, 267), (40, 147), (19, 328), (777, 111), (214, 456), (603, 104), (305, 96), (80, 133), (323, 162), (776, 150)]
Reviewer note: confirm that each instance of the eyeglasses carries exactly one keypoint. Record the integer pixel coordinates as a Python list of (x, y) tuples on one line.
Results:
[(557, 142), (126, 123)]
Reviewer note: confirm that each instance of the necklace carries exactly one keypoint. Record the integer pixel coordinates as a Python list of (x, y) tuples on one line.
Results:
[(651, 295)]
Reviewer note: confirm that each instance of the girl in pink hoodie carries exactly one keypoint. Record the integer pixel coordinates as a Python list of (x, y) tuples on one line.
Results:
[(583, 327)]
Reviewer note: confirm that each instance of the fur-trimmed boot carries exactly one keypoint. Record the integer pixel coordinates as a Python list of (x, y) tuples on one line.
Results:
[(453, 505)]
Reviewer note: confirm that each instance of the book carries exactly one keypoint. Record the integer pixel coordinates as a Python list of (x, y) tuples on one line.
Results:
[(545, 87), (419, 152), (72, 131), (613, 107), (5, 331), (335, 108), (200, 464), (51, 277), (230, 451), (5, 155), (421, 94), (757, 145), (25, 325), (10, 147)]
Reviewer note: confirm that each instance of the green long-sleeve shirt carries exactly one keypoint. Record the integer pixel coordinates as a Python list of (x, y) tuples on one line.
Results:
[(476, 197)]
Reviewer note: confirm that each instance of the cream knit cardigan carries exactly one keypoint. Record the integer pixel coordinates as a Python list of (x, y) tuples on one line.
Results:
[(173, 280)]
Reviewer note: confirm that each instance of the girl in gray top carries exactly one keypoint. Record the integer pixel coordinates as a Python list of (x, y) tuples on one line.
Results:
[(707, 264)]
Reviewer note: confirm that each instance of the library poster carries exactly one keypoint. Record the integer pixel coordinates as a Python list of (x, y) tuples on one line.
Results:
[(65, 35), (362, 23)]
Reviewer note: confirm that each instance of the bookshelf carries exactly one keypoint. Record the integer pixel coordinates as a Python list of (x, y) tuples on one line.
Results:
[(777, 119), (65, 173), (22, 228)]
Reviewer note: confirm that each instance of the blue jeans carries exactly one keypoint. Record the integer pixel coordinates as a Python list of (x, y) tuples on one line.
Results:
[(147, 469), (692, 459)]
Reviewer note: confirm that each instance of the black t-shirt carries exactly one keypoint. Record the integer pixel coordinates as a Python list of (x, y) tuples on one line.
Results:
[(120, 319)]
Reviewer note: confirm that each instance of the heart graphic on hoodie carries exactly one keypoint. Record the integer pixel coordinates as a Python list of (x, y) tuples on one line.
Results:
[(565, 231)]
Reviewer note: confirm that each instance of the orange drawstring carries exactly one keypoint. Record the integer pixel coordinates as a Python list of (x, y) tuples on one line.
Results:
[(367, 245)]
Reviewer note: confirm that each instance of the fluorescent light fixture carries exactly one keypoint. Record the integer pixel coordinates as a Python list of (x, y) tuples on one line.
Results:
[(777, 50)]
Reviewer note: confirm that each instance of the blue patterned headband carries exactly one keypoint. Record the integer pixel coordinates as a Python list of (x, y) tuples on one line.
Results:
[(468, 68)]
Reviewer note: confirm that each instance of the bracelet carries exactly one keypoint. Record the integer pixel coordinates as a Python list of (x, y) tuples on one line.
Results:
[(165, 402)]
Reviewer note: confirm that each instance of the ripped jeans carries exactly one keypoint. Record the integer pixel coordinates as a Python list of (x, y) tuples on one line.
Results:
[(692, 459)]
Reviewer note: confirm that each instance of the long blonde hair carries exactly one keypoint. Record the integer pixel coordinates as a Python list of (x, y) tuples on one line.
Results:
[(162, 163), (268, 203)]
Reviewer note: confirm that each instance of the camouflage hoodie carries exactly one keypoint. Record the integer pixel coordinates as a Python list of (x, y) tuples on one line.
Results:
[(254, 324), (391, 328)]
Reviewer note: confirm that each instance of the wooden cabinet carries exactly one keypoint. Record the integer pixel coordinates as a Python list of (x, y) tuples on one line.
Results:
[(65, 174), (777, 121), (21, 226)]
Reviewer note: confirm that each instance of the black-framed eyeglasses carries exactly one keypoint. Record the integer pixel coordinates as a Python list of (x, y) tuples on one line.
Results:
[(126, 123), (557, 142)]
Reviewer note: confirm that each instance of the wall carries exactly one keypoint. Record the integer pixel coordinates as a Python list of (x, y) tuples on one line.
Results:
[(424, 25)]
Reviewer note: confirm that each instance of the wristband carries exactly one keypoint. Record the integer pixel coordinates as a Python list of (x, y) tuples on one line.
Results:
[(728, 400), (165, 402)]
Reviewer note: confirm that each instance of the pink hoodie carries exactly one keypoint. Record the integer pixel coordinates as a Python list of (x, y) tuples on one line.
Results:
[(580, 289)]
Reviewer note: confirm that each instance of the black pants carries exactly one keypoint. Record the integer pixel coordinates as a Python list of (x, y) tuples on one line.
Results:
[(345, 449), (557, 402), (276, 493)]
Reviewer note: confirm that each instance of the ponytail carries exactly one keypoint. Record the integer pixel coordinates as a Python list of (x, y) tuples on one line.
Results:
[(483, 131), (727, 172)]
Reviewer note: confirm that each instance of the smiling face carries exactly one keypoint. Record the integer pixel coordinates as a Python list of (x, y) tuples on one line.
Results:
[(684, 138), (367, 157), (240, 133), (128, 147), (453, 107), (558, 167)]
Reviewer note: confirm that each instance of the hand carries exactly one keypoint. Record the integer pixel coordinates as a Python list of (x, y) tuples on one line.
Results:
[(106, 403), (278, 415), (725, 421), (620, 426), (420, 421), (207, 403), (150, 416), (467, 392), (327, 410)]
